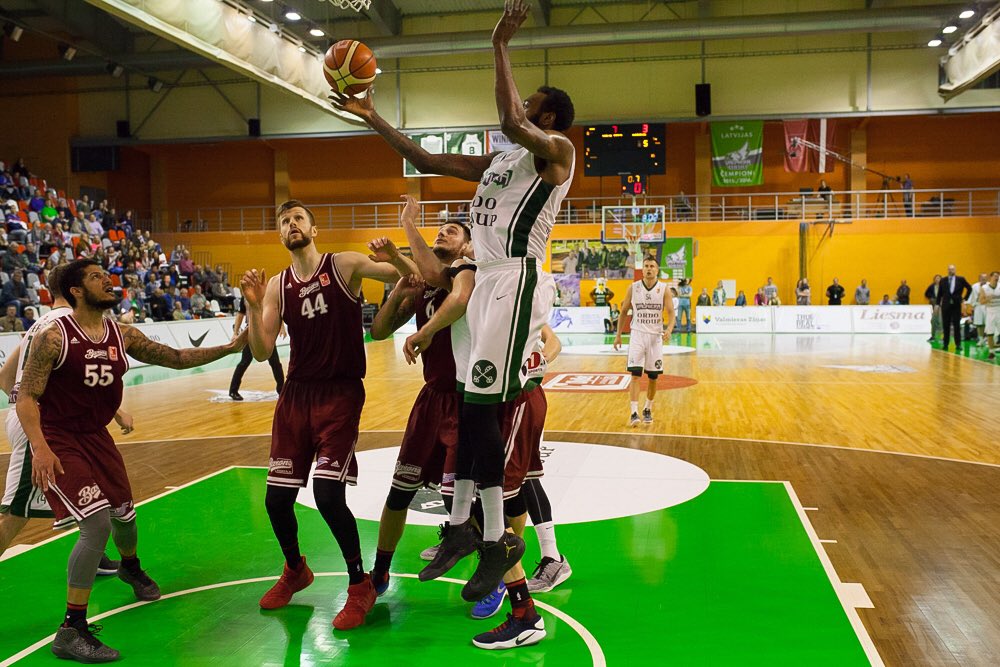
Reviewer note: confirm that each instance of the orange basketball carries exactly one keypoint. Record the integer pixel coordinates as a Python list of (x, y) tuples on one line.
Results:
[(349, 67)]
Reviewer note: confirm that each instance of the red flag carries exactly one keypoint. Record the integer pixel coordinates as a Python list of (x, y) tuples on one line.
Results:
[(813, 155), (796, 155)]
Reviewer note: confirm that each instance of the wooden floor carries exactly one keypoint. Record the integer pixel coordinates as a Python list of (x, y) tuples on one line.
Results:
[(894, 444)]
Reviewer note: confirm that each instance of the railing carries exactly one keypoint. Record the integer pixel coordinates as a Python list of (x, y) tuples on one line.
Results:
[(808, 207)]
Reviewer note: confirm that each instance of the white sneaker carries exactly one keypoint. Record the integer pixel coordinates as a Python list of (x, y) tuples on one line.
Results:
[(549, 574), (429, 553)]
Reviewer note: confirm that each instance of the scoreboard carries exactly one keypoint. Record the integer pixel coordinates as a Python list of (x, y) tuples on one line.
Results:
[(635, 148)]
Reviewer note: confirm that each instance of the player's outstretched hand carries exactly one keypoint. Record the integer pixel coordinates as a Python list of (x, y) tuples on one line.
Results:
[(45, 466), (125, 421), (412, 285), (514, 13), (363, 107), (617, 345), (415, 345), (383, 250), (253, 285), (411, 210), (240, 341)]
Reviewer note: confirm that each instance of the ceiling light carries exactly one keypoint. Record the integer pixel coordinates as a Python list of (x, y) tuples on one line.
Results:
[(948, 29), (967, 14), (316, 32), (66, 51), (13, 31), (274, 28), (251, 18), (114, 69), (302, 49), (154, 84), (292, 15), (934, 42)]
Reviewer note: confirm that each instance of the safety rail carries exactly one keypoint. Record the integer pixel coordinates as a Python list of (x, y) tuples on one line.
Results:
[(791, 206)]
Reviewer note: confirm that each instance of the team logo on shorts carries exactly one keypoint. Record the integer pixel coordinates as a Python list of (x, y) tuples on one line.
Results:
[(282, 466), (407, 470), (659, 364), (88, 494), (484, 373)]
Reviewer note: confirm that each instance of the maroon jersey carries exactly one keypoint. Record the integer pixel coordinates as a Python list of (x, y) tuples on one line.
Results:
[(323, 319), (439, 362), (85, 387)]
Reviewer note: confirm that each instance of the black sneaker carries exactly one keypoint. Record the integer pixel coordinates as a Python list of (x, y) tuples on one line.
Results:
[(633, 420), (78, 642), (108, 566), (457, 543), (235, 395), (647, 416), (512, 633), (144, 588), (494, 560)]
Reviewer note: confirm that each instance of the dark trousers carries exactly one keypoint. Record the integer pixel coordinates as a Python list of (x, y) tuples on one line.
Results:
[(951, 318), (241, 368)]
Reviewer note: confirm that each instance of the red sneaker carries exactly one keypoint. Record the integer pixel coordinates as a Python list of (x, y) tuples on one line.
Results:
[(291, 582), (360, 600)]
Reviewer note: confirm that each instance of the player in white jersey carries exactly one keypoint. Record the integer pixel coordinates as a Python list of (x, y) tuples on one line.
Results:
[(511, 215), (989, 297), (652, 308), (21, 499)]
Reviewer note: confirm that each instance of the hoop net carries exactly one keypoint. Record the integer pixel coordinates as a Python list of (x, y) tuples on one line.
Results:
[(637, 233), (356, 5)]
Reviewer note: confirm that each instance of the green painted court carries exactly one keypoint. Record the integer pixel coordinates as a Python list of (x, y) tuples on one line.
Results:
[(730, 577)]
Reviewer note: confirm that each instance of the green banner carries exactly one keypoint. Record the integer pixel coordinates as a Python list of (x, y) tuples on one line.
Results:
[(465, 143), (677, 258), (737, 153)]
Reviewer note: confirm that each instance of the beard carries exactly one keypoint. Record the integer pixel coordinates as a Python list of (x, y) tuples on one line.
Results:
[(100, 302), (441, 252), (301, 241)]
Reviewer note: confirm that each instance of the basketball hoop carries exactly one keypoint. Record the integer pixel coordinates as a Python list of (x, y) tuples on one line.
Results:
[(635, 233), (356, 5)]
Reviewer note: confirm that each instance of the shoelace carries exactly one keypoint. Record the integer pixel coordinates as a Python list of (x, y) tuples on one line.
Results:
[(89, 633), (503, 626), (542, 565)]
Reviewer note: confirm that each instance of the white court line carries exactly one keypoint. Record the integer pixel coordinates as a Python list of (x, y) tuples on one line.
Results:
[(596, 653), (776, 442), (827, 541), (845, 592)]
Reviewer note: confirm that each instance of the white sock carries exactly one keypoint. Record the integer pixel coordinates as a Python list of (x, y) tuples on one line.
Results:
[(635, 407), (649, 404), (547, 540), (461, 504), (492, 499)]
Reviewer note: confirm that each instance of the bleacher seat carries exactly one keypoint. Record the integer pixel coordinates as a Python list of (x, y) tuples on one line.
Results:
[(4, 278), (33, 280)]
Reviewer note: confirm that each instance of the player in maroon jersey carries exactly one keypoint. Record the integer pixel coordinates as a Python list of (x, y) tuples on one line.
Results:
[(70, 391), (431, 436), (317, 415)]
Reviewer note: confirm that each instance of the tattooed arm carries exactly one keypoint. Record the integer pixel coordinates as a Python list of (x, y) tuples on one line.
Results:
[(157, 354), (398, 308), (45, 350)]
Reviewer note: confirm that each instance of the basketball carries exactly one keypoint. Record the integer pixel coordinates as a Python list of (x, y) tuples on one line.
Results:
[(349, 67)]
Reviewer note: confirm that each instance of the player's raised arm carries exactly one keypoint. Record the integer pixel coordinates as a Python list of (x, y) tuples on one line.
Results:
[(550, 145), (397, 309), (622, 314), (383, 250), (432, 269), (354, 266), (263, 316), (451, 310), (158, 354), (466, 167), (45, 351)]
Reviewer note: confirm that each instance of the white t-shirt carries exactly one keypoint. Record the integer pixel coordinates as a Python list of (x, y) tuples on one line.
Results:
[(992, 297)]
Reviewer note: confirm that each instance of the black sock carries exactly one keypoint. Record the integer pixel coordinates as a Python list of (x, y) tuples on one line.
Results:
[(520, 600), (131, 563), (355, 569), (292, 556), (74, 614), (383, 559)]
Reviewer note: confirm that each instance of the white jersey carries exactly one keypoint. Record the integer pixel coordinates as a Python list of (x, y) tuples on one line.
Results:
[(33, 331), (992, 297), (647, 307), (514, 210)]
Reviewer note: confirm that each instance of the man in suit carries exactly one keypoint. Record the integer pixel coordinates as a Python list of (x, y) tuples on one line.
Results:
[(954, 290)]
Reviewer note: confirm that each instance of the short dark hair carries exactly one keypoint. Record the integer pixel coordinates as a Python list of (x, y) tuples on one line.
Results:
[(650, 258), (294, 203), (73, 277), (54, 280), (558, 102)]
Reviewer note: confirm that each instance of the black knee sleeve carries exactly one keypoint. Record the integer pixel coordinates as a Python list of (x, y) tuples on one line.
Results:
[(331, 501), (514, 507), (653, 375), (636, 373), (536, 500), (280, 504), (484, 429), (399, 500)]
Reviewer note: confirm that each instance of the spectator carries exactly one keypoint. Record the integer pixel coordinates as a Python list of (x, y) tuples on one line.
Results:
[(32, 263), (49, 212), (12, 259), (933, 296), (16, 228), (989, 296), (15, 292), (19, 169), (611, 322), (903, 294), (10, 321), (182, 298), (127, 223), (704, 299), (760, 299), (29, 317), (78, 224), (885, 301), (955, 290), (770, 289), (37, 202), (199, 304), (683, 305), (862, 295), (741, 299), (802, 293), (978, 309), (93, 227), (178, 312), (160, 306), (719, 295), (835, 293), (774, 301), (185, 266), (83, 206), (824, 190), (908, 195), (223, 293)]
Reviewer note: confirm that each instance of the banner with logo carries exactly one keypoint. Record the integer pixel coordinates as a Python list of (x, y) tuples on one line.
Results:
[(578, 320), (462, 143), (677, 258), (201, 333), (812, 319), (567, 289), (737, 153), (821, 133), (8, 342), (723, 319), (892, 319)]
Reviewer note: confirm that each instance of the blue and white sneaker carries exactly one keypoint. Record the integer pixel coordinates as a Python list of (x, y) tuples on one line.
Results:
[(380, 583), (512, 633), (490, 604)]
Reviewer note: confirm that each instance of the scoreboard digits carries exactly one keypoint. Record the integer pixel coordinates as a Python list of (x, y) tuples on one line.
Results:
[(635, 148)]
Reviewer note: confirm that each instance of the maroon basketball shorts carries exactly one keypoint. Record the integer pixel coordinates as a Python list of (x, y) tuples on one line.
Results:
[(316, 421), (522, 426), (93, 476), (430, 440)]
